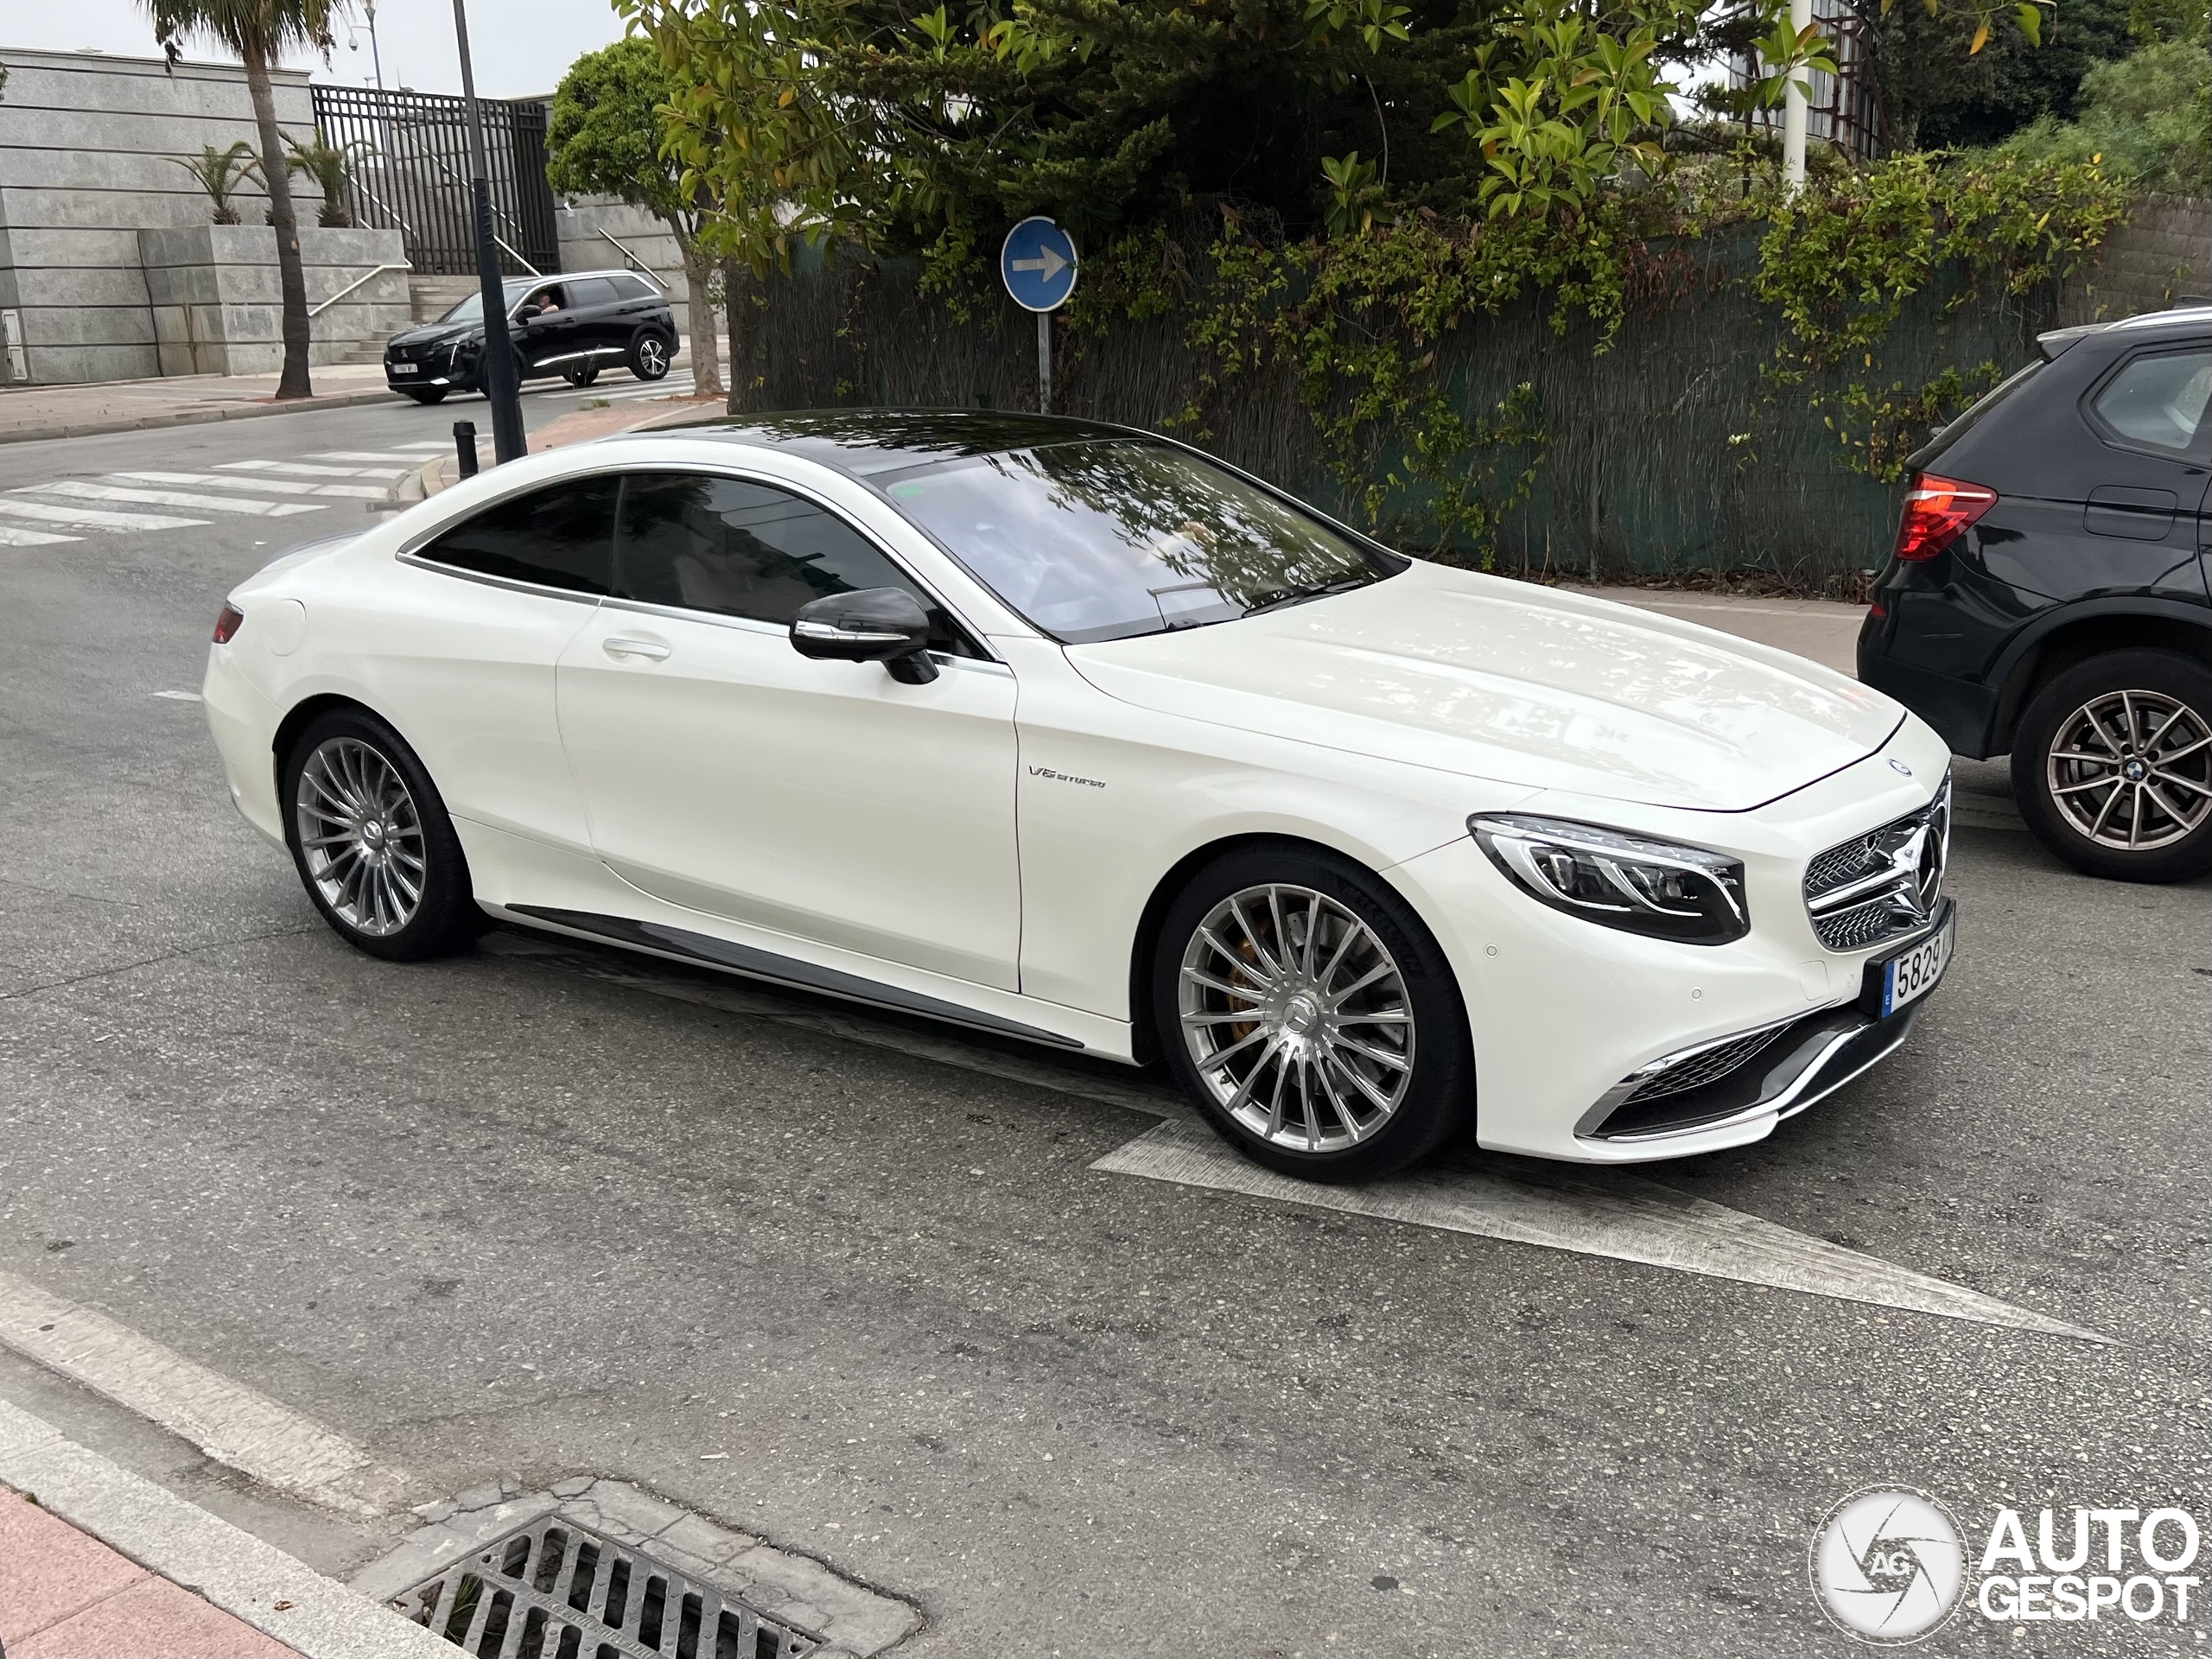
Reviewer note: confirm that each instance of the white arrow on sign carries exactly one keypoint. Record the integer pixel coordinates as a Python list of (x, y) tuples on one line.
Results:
[(1047, 261)]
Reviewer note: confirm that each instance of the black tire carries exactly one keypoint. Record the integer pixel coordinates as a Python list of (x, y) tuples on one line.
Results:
[(2137, 696), (445, 914), (650, 356), (582, 375), (424, 394), (1438, 1097)]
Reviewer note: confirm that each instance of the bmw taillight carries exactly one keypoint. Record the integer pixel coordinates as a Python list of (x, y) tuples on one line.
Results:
[(227, 623), (1936, 512)]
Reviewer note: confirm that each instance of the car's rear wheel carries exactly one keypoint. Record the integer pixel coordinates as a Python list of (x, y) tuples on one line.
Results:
[(2112, 765), (1311, 1016), (371, 840), (582, 375), (425, 394), (649, 358)]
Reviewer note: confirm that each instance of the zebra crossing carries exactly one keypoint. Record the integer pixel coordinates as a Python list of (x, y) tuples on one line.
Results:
[(41, 515)]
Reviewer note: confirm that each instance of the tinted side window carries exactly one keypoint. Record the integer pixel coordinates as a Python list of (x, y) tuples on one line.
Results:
[(635, 288), (589, 290), (737, 548), (561, 537), (2159, 402)]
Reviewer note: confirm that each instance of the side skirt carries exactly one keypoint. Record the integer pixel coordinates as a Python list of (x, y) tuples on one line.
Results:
[(659, 937)]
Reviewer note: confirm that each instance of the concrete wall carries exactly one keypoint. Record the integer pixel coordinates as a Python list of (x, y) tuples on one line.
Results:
[(85, 170), (582, 218), (2163, 252), (217, 308)]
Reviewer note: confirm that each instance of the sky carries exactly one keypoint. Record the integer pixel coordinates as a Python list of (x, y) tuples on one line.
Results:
[(522, 47)]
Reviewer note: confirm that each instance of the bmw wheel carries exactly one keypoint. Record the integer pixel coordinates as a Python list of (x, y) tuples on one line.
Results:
[(2111, 767), (373, 843), (649, 357), (1311, 1016)]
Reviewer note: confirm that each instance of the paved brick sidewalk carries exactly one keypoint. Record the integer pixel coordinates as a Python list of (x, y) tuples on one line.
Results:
[(66, 1595), (31, 412)]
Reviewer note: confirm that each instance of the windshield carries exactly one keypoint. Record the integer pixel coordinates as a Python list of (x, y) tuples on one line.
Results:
[(471, 308), (1108, 538)]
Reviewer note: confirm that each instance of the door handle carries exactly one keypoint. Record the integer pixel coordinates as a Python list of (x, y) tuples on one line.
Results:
[(653, 650)]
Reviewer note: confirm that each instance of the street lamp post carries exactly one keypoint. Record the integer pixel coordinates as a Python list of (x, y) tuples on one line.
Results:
[(496, 369), (1793, 108)]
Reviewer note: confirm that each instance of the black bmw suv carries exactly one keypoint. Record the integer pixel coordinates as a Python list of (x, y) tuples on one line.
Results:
[(2047, 593), (573, 324)]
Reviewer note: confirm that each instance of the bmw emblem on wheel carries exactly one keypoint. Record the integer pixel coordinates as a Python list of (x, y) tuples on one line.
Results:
[(1888, 1565)]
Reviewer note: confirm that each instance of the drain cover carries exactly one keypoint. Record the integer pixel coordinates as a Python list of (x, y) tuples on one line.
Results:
[(555, 1590)]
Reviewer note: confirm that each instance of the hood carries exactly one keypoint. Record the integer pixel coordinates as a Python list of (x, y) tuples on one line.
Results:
[(1514, 682), (437, 334)]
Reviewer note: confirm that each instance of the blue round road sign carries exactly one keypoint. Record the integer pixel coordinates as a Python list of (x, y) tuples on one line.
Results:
[(1038, 264)]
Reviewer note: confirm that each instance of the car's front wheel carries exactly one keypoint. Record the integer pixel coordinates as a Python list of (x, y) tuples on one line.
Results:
[(424, 394), (649, 358), (2112, 765), (1312, 1017), (371, 840)]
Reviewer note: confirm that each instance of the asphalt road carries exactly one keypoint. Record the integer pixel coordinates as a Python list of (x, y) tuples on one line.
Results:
[(505, 1214)]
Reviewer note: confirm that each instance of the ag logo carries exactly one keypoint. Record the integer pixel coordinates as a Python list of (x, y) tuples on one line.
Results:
[(1888, 1565)]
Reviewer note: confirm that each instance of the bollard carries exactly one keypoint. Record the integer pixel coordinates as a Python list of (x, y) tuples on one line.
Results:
[(464, 441)]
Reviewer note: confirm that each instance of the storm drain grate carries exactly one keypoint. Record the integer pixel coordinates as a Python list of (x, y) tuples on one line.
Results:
[(555, 1590)]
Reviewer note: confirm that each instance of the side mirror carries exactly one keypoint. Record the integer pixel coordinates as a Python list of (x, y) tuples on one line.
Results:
[(876, 625), (527, 312)]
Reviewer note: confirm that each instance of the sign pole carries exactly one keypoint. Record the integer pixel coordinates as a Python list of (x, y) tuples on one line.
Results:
[(1044, 362)]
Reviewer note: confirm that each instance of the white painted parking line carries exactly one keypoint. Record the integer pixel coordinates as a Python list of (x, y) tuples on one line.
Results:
[(92, 517), (82, 491), (12, 536), (1624, 1217), (301, 468), (261, 482), (1611, 1213), (231, 1423)]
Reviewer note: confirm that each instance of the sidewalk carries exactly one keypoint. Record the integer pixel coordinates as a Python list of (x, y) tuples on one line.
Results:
[(97, 1562), (31, 412), (66, 1595)]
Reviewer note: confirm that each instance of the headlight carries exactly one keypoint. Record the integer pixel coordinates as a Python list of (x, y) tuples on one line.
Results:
[(1617, 880)]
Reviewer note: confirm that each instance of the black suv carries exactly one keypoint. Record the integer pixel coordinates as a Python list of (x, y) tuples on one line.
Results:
[(2048, 597), (573, 324)]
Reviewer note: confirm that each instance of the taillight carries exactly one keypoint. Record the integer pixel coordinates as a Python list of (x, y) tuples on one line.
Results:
[(1936, 510), (227, 623)]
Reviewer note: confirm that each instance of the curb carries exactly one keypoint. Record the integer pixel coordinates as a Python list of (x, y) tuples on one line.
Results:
[(249, 1579), (199, 416)]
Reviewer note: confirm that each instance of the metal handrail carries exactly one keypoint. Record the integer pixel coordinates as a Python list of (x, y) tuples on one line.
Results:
[(366, 276), (392, 213), (637, 264), (516, 257), (497, 215)]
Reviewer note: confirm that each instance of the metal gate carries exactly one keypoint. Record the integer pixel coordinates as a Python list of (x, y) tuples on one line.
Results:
[(409, 172)]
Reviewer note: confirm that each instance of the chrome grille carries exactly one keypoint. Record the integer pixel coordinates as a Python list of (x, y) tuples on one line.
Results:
[(1884, 883), (1707, 1065)]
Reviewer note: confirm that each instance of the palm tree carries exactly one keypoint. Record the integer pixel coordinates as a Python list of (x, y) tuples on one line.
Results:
[(259, 31), (219, 173)]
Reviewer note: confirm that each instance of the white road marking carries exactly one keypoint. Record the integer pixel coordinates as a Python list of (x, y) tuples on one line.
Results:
[(82, 491), (303, 470), (1612, 1214), (231, 1423), (357, 454), (238, 1573), (92, 517), (1621, 1216), (422, 449), (182, 696), (260, 482), (10, 536)]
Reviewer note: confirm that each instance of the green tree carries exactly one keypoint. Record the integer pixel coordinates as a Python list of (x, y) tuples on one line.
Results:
[(608, 136), (260, 32), (2147, 119)]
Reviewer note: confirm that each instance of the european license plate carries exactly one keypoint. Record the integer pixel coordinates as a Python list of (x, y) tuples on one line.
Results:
[(1911, 975), (405, 368)]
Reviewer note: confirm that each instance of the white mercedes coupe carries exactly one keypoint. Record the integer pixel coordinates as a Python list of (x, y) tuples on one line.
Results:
[(1073, 734)]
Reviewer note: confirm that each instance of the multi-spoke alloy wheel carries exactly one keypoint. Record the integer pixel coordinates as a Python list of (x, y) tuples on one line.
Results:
[(360, 836), (372, 840), (2112, 765), (1311, 1015), (2133, 770)]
